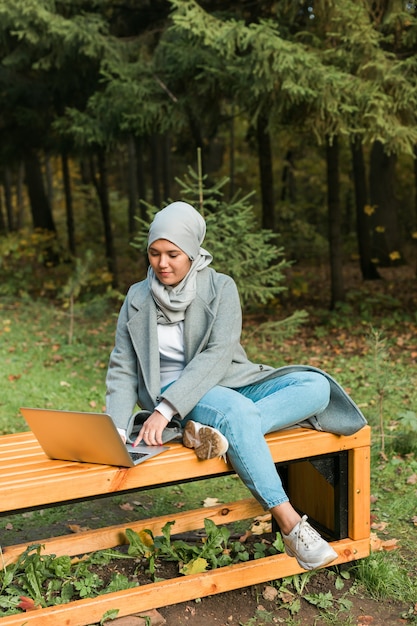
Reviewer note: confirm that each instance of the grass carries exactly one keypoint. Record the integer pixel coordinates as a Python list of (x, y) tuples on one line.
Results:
[(40, 368), (372, 356)]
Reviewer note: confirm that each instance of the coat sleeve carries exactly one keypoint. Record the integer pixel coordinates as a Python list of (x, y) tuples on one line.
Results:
[(211, 362), (122, 375)]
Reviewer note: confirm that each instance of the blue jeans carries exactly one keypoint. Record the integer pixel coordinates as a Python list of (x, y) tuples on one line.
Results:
[(246, 414)]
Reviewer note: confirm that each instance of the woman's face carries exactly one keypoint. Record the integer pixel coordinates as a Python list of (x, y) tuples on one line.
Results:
[(169, 262)]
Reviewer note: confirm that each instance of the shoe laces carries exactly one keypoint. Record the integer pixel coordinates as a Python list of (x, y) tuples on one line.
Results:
[(306, 533)]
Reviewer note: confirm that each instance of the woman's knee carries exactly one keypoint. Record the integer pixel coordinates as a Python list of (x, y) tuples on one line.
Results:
[(319, 386), (226, 411)]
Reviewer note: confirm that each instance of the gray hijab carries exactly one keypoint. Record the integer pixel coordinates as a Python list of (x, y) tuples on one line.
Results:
[(181, 224)]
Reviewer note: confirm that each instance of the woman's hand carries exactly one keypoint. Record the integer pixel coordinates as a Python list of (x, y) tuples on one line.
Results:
[(151, 431)]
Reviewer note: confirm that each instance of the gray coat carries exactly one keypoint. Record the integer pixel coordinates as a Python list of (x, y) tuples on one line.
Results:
[(213, 356)]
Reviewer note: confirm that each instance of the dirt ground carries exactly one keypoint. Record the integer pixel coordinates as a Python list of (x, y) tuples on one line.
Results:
[(262, 604), (239, 607), (252, 606)]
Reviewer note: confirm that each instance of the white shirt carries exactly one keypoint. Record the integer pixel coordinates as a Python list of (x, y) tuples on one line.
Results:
[(172, 362)]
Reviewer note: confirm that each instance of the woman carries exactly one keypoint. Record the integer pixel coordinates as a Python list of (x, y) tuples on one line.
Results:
[(178, 353)]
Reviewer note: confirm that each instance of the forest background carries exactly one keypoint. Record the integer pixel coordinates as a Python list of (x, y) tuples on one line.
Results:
[(292, 126), (309, 104)]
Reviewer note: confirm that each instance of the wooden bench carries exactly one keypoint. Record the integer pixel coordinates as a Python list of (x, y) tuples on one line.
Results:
[(327, 477)]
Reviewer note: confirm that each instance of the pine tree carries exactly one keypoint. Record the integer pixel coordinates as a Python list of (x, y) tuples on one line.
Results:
[(239, 247)]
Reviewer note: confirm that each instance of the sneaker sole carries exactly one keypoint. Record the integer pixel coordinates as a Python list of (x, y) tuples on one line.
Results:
[(206, 442), (308, 566)]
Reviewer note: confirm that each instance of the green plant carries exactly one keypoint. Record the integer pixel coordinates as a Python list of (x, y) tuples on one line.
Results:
[(82, 276), (41, 580), (109, 615), (216, 550)]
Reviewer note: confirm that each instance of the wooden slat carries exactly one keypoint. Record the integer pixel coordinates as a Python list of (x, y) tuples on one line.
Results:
[(111, 536), (30, 479), (36, 480), (168, 592), (359, 509)]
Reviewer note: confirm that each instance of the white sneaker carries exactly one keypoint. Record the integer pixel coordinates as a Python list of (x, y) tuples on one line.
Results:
[(305, 543), (207, 442)]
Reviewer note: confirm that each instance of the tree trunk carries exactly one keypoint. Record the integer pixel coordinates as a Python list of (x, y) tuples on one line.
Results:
[(363, 225), (265, 172), (132, 185), (49, 178), (155, 171), (287, 179), (140, 173), (232, 154), (335, 222), (101, 185), (68, 202), (8, 199), (20, 203), (415, 184), (3, 229), (166, 165), (386, 241), (39, 203)]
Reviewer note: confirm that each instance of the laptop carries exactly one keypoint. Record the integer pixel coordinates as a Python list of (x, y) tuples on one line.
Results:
[(87, 437)]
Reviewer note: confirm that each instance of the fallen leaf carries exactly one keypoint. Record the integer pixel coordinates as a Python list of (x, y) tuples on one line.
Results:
[(76, 528), (245, 536), (390, 544), (78, 559), (126, 506), (260, 528), (379, 526), (13, 377), (27, 604), (365, 619), (269, 593), (210, 502), (412, 480), (262, 524), (196, 566), (286, 596), (378, 544), (263, 518), (414, 520)]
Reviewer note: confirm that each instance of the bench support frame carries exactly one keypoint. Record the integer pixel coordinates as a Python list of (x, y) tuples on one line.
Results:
[(338, 501)]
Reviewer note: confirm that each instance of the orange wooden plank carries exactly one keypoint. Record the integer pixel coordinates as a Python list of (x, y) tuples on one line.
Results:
[(111, 536), (359, 508), (56, 481), (31, 479), (157, 595)]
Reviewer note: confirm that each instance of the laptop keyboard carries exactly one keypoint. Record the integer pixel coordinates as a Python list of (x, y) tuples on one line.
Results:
[(137, 455)]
